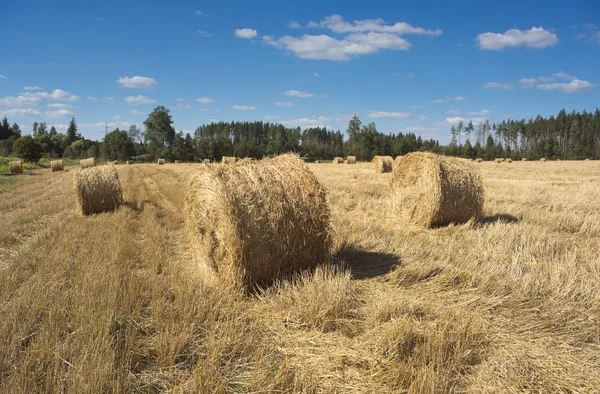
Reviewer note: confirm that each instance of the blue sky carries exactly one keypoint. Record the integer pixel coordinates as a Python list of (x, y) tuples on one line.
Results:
[(417, 67)]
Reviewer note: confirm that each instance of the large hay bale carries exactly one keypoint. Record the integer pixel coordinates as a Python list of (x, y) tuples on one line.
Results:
[(351, 160), (56, 165), (479, 160), (498, 160), (255, 222), (228, 160), (524, 159), (15, 167), (88, 163), (338, 160), (161, 162), (431, 190), (206, 161), (97, 190), (383, 164), (509, 160), (543, 159)]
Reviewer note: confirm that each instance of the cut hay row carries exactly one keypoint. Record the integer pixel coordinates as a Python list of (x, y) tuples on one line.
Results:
[(351, 160), (161, 162), (56, 165), (383, 163), (338, 160), (431, 190), (15, 167), (88, 163), (228, 160), (257, 221), (97, 190)]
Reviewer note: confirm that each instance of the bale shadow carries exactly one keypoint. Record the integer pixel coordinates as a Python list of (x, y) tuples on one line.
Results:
[(135, 207), (499, 218), (365, 264)]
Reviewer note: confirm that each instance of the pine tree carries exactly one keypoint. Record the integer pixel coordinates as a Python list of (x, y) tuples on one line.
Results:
[(72, 134)]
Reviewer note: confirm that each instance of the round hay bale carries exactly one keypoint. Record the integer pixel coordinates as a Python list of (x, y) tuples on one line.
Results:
[(177, 162), (383, 164), (338, 160), (161, 162), (587, 159), (56, 165), (88, 163), (206, 161), (15, 167), (431, 190), (255, 222), (509, 160), (345, 162), (318, 161), (228, 160), (128, 162), (479, 160), (97, 190), (351, 160), (524, 159), (498, 160), (543, 159)]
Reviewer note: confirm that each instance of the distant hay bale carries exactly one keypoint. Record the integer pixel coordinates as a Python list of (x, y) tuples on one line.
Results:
[(351, 160), (15, 167), (509, 160), (543, 159), (88, 163), (479, 160), (587, 159), (338, 160), (498, 160), (431, 190), (318, 161), (206, 161), (56, 165), (114, 163), (255, 222), (383, 164), (97, 190), (128, 162), (177, 162), (503, 159), (228, 160), (524, 159), (161, 162)]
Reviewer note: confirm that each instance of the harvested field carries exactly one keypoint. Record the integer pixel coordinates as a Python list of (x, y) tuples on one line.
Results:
[(507, 303)]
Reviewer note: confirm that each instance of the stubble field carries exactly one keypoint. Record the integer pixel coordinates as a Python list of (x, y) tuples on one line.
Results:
[(110, 303)]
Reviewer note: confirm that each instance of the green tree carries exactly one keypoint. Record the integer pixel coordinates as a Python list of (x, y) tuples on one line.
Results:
[(159, 131), (117, 145), (27, 149), (72, 134), (4, 129)]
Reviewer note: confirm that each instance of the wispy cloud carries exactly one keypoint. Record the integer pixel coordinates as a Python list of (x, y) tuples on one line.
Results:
[(298, 94), (336, 23), (205, 100), (137, 82), (246, 33), (447, 99), (498, 85), (139, 99), (286, 104), (243, 107), (536, 37), (383, 114), (32, 88)]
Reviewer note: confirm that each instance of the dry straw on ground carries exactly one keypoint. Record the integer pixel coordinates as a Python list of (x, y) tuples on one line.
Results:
[(161, 162), (15, 167), (56, 165), (257, 221), (97, 190), (228, 160), (431, 190), (88, 163), (351, 159), (338, 160), (383, 163)]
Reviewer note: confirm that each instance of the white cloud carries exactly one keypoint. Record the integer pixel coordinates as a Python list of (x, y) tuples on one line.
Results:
[(198, 12), (498, 85), (181, 106), (324, 47), (92, 98), (205, 100), (337, 24), (527, 82), (411, 76), (243, 107), (546, 79), (439, 101), (383, 114), (315, 121), (453, 112), (286, 104), (139, 99), (2, 76), (563, 75), (59, 106), (576, 85), (109, 99), (458, 98), (483, 112), (417, 129), (294, 25), (135, 112), (21, 112), (316, 74), (61, 95), (32, 88), (22, 100), (101, 125), (245, 33), (136, 82), (60, 127), (58, 113), (451, 121), (296, 93), (204, 33), (537, 37), (446, 99)]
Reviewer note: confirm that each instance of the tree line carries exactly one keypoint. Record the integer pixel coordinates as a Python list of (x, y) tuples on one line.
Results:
[(567, 136)]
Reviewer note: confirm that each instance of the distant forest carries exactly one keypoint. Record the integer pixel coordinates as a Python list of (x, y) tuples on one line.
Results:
[(570, 136)]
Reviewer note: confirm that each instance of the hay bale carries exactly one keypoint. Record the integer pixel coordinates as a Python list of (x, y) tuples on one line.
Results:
[(431, 190), (177, 162), (587, 159), (128, 162), (228, 160), (257, 221), (56, 165), (161, 162), (318, 161), (88, 163), (345, 161), (206, 161), (509, 160), (97, 190), (383, 164), (524, 159), (15, 167), (351, 160), (479, 160), (498, 160), (114, 163), (338, 160), (543, 159)]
